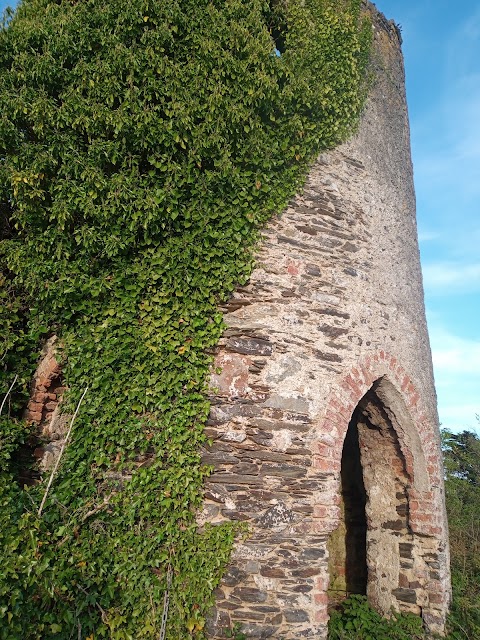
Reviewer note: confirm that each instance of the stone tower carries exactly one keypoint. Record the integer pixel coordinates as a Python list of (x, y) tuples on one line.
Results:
[(324, 422)]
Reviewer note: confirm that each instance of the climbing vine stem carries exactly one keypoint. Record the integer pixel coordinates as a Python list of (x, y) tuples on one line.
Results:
[(8, 393), (59, 457)]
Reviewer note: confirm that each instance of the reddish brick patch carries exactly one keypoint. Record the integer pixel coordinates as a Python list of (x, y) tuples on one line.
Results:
[(47, 389), (232, 378)]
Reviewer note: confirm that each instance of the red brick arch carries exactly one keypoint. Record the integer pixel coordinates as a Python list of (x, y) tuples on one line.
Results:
[(426, 515)]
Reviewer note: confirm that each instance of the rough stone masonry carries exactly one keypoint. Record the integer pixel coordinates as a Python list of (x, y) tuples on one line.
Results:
[(324, 422)]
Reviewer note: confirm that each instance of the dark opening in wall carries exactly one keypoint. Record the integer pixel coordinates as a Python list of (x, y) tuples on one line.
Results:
[(348, 544), (354, 499), (375, 482), (24, 463)]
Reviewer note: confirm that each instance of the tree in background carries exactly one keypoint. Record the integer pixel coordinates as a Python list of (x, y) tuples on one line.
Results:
[(462, 485)]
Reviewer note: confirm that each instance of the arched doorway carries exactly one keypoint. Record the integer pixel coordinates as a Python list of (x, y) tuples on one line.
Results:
[(372, 552)]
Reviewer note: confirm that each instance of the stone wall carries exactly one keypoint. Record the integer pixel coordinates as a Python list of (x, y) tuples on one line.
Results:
[(329, 332)]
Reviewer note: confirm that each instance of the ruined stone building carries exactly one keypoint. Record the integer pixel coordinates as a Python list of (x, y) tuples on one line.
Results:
[(324, 425), (324, 422)]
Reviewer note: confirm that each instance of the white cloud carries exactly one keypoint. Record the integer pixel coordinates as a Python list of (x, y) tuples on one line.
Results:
[(454, 355), (459, 417), (447, 148), (447, 136), (456, 363), (428, 236), (451, 277)]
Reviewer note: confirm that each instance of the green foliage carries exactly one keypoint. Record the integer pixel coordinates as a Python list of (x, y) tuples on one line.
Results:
[(235, 632), (12, 435), (357, 620), (462, 486), (142, 145)]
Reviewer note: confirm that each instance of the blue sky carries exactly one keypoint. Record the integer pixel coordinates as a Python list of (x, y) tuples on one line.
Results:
[(442, 57)]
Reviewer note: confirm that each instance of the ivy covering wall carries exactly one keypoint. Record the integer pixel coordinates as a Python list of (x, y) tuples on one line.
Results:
[(143, 143)]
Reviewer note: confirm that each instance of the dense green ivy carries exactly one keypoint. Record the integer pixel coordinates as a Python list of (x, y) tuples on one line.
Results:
[(143, 143)]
